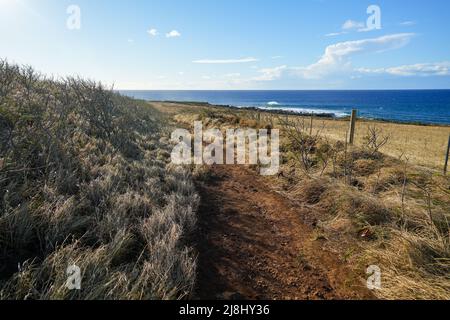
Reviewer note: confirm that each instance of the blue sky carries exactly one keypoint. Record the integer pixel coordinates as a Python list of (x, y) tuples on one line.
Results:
[(231, 44)]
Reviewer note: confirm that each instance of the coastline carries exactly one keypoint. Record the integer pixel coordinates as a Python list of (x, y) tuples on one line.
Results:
[(421, 107), (280, 112), (424, 144)]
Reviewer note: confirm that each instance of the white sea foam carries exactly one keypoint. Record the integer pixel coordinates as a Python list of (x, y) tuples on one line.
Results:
[(273, 103), (317, 111)]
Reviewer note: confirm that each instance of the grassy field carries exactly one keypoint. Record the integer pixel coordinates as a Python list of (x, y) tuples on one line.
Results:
[(380, 202), (423, 145)]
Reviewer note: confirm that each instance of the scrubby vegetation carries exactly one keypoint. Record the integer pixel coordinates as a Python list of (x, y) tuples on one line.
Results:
[(85, 180), (369, 207)]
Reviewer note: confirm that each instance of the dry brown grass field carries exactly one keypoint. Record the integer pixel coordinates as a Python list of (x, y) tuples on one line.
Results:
[(424, 145), (385, 203)]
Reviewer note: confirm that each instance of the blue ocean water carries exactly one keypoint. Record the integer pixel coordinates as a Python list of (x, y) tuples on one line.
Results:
[(425, 106)]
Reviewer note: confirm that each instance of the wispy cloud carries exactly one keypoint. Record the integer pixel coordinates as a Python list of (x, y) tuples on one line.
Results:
[(352, 25), (334, 34), (337, 56), (270, 74), (173, 34), (408, 23), (418, 70), (225, 61), (152, 32)]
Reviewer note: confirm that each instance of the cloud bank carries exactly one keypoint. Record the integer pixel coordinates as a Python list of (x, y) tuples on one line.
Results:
[(418, 70), (337, 57)]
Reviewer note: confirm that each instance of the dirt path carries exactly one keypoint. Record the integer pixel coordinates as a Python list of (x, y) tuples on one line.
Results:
[(255, 244)]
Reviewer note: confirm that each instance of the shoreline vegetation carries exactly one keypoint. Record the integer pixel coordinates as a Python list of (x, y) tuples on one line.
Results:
[(86, 180), (274, 111), (423, 144)]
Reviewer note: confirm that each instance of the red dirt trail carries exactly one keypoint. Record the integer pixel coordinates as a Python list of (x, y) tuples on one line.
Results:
[(255, 244)]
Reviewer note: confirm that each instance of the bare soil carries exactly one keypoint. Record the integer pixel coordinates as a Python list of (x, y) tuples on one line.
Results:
[(255, 244)]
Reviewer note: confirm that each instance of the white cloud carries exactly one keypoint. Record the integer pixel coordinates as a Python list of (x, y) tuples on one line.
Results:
[(351, 25), (270, 74), (337, 56), (152, 32), (173, 34), (277, 57), (408, 23), (418, 70), (334, 34), (225, 61)]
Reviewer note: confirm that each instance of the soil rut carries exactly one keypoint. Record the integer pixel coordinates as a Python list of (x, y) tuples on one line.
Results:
[(254, 244)]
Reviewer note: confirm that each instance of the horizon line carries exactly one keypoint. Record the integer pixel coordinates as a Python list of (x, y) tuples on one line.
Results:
[(243, 90)]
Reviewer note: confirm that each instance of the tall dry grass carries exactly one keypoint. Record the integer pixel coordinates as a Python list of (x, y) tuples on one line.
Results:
[(85, 179), (380, 202), (424, 145)]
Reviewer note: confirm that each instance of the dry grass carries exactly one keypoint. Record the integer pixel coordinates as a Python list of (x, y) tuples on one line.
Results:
[(416, 265), (388, 207), (424, 145), (85, 180)]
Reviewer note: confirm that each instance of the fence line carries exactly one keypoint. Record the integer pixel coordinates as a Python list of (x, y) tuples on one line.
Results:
[(351, 138), (447, 156)]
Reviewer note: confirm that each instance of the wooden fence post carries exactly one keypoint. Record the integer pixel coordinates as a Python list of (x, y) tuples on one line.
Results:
[(447, 156), (312, 120), (351, 139)]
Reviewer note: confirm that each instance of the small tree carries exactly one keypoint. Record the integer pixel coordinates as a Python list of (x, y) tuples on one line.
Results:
[(302, 144), (375, 139)]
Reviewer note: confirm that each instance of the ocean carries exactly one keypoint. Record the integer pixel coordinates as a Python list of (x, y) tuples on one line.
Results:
[(421, 106)]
